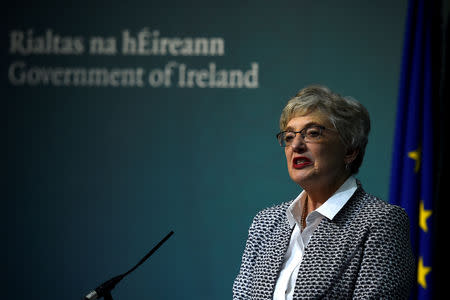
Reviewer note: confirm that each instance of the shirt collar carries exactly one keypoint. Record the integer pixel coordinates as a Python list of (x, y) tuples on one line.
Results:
[(331, 207)]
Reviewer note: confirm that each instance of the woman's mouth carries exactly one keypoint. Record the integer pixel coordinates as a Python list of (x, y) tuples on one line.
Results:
[(300, 162)]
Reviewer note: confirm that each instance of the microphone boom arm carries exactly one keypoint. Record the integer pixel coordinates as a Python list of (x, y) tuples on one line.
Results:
[(104, 290)]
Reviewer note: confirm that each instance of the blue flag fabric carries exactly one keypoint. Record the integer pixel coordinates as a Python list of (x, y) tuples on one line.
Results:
[(412, 165)]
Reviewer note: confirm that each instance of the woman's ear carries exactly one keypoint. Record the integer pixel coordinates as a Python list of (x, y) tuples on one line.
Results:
[(350, 156)]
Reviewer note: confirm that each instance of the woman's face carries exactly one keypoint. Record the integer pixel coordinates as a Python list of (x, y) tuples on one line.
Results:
[(316, 164)]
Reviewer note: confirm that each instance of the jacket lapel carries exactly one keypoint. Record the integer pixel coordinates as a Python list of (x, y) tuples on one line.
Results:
[(270, 261), (329, 250)]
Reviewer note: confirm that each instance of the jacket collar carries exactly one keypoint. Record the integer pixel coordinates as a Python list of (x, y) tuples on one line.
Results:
[(330, 208)]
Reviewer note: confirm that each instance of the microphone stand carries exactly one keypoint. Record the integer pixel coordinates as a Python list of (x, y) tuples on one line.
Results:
[(104, 290)]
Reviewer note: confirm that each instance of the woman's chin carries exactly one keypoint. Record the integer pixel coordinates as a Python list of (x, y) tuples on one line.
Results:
[(300, 179)]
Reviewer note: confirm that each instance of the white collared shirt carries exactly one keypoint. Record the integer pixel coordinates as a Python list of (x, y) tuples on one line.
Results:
[(284, 288)]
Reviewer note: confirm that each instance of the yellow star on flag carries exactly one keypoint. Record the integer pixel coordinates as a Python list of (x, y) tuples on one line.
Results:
[(422, 272), (416, 154), (424, 214)]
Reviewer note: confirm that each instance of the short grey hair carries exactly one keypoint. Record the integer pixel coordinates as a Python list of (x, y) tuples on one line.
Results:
[(349, 117)]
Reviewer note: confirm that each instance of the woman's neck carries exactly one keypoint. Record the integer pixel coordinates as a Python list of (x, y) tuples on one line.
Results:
[(319, 193)]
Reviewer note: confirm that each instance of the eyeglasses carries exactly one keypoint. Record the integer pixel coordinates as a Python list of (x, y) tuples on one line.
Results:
[(309, 134)]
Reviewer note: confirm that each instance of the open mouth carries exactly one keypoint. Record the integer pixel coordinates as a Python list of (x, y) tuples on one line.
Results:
[(301, 162)]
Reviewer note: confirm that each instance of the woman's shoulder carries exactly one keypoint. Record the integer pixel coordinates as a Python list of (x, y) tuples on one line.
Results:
[(275, 209), (272, 214), (373, 208)]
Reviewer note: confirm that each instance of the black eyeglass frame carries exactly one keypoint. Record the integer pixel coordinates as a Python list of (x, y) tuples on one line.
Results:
[(302, 132)]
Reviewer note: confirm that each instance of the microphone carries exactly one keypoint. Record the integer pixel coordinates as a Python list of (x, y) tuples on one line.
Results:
[(104, 290)]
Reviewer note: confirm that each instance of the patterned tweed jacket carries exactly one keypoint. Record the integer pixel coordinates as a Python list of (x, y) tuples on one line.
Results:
[(363, 253)]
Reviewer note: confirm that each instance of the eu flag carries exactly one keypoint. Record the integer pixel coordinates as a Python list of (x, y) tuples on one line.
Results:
[(412, 165)]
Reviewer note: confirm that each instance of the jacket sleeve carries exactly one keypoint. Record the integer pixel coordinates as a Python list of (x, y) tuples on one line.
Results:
[(243, 283), (387, 267)]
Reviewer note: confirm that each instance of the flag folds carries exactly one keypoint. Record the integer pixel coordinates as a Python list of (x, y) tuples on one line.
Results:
[(412, 165)]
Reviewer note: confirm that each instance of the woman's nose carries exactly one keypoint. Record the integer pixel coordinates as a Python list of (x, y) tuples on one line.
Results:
[(298, 144)]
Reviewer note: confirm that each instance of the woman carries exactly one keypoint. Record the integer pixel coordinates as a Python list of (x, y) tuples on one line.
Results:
[(334, 240)]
